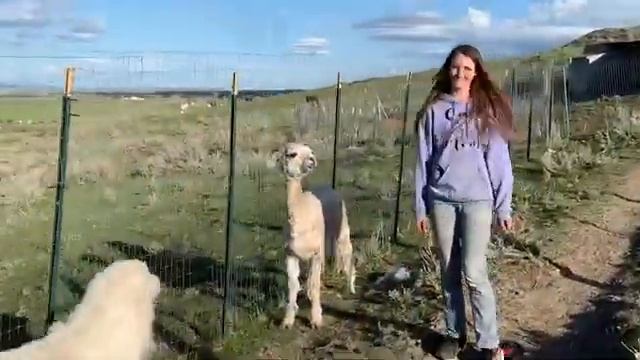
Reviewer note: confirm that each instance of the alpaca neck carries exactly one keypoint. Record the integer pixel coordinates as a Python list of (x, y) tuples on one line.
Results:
[(294, 192), (294, 197)]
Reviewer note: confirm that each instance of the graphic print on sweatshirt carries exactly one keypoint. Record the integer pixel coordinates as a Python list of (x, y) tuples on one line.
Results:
[(459, 163), (459, 172)]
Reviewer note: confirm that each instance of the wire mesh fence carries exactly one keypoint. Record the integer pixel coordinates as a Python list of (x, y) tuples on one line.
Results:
[(366, 160), (147, 177), (139, 186), (29, 138), (607, 74), (540, 104), (144, 151), (605, 86)]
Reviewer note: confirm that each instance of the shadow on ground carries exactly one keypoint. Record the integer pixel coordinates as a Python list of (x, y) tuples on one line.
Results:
[(374, 314), (594, 334), (254, 283), (249, 279), (566, 272), (14, 331)]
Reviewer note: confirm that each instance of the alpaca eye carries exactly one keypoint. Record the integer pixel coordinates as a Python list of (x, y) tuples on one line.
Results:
[(291, 155)]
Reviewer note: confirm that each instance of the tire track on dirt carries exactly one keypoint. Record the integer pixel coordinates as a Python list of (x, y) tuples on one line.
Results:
[(562, 307), (567, 310)]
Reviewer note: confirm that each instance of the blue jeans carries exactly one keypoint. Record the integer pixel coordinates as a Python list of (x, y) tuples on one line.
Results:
[(462, 232)]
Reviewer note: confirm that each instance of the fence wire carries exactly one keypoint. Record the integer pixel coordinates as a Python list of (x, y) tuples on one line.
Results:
[(367, 162), (540, 104), (146, 179), (29, 126), (603, 86), (147, 175), (142, 174)]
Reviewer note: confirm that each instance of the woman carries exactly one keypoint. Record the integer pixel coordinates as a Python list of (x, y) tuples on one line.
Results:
[(463, 176)]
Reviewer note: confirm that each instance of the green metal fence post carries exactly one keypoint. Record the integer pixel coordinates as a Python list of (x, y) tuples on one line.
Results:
[(529, 128), (230, 206), (336, 130), (565, 85), (60, 188), (396, 217)]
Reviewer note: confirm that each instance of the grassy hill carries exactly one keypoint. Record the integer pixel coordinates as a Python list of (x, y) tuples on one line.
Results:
[(576, 47), (607, 35), (498, 67)]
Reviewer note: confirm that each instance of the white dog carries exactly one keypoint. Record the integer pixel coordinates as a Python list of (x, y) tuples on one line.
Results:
[(113, 321)]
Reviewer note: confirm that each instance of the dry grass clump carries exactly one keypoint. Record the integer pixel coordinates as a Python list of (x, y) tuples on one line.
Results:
[(194, 154)]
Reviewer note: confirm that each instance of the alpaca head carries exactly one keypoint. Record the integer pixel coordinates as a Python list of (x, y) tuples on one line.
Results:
[(296, 160)]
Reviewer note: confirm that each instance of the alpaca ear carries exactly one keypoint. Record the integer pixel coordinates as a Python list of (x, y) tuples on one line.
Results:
[(312, 159), (274, 158), (310, 162)]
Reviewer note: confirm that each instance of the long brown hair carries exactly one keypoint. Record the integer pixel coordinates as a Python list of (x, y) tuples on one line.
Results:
[(489, 105)]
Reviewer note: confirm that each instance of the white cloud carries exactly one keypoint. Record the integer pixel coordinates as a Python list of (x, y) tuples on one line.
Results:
[(84, 30), (423, 26), (403, 22), (553, 10), (33, 19), (547, 23), (24, 13), (479, 19), (311, 46), (593, 13)]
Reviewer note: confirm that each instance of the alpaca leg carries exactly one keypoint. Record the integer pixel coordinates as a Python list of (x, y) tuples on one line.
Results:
[(313, 290), (346, 262), (350, 270), (345, 252), (293, 272)]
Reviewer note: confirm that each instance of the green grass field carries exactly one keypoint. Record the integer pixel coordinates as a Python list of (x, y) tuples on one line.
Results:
[(142, 175), (146, 181)]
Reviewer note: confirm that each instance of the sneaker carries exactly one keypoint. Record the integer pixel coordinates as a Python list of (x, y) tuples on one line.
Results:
[(449, 348), (512, 350), (493, 354)]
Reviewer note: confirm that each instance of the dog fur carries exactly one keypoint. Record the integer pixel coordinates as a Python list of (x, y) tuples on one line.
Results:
[(113, 321)]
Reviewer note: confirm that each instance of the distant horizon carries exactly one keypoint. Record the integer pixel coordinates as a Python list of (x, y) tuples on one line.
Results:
[(9, 88), (80, 85), (136, 88), (279, 44)]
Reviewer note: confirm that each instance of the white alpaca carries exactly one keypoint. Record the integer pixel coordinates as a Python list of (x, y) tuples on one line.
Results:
[(317, 224), (113, 321), (184, 107)]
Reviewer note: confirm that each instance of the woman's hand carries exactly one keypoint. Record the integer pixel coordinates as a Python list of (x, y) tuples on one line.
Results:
[(506, 225)]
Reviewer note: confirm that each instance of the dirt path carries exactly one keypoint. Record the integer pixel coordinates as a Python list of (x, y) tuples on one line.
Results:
[(560, 308), (566, 309)]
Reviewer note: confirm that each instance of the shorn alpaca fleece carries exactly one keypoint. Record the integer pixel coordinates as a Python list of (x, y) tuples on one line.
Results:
[(457, 163)]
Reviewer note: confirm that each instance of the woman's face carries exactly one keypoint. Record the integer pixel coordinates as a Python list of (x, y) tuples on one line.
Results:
[(462, 72)]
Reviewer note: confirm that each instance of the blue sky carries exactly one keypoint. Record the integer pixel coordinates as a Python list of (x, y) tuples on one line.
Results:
[(275, 43)]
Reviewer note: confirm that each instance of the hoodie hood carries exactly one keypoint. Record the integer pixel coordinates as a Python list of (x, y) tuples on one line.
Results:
[(451, 98)]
